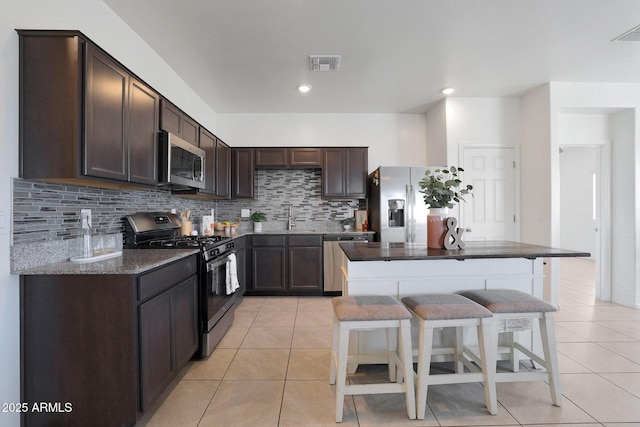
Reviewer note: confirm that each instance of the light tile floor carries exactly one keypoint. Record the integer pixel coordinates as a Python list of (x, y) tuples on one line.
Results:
[(272, 369)]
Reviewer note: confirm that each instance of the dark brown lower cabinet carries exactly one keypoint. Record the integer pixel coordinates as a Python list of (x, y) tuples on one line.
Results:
[(98, 349), (168, 337), (286, 265)]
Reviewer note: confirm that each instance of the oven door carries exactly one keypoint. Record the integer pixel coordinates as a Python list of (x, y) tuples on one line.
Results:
[(218, 302)]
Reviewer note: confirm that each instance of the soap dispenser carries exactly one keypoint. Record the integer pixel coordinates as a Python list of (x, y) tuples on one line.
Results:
[(85, 236)]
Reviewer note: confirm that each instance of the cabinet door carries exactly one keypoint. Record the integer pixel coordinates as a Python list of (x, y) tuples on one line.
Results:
[(208, 144), (305, 269), (51, 106), (186, 321), (190, 130), (223, 170), (157, 363), (271, 157), (344, 172), (269, 268), (106, 99), (305, 157), (356, 168), (333, 172), (243, 173), (144, 116), (170, 118)]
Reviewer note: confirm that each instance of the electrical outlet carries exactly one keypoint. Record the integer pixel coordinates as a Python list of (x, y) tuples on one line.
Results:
[(245, 213)]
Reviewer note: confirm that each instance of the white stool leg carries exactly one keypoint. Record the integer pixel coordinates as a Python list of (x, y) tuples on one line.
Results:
[(548, 334), (392, 348), (343, 354), (406, 355), (514, 354), (458, 365), (488, 356), (425, 344), (334, 352)]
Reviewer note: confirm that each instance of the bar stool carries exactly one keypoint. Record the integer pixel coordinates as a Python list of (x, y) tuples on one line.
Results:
[(365, 312), (453, 311), (514, 311)]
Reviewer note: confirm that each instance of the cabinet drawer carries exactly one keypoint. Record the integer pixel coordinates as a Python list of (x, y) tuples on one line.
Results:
[(163, 278), (277, 240), (305, 240)]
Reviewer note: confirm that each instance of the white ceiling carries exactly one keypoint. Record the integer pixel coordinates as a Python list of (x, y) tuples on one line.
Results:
[(248, 56)]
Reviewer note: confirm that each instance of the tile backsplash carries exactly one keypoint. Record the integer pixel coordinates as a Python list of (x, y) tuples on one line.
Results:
[(47, 212)]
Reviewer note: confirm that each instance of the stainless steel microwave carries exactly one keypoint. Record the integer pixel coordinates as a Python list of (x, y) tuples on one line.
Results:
[(181, 163)]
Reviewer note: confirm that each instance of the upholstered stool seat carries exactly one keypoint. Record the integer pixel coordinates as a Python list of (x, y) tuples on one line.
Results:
[(514, 311), (365, 312), (453, 311)]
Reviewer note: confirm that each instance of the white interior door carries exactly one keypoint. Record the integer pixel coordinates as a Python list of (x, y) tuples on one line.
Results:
[(491, 213), (579, 198)]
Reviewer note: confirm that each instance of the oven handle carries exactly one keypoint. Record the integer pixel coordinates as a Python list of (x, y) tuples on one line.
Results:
[(217, 262)]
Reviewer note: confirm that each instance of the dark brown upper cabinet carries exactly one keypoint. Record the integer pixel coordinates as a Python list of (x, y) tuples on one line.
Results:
[(243, 172), (305, 157), (271, 157), (223, 170), (217, 168), (344, 172), (281, 157), (176, 121), (208, 143), (83, 116)]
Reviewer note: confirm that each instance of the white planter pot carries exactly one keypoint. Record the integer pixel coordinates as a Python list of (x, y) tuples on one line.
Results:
[(257, 227)]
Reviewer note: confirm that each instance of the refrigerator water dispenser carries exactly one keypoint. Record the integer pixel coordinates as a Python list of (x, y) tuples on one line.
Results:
[(396, 213)]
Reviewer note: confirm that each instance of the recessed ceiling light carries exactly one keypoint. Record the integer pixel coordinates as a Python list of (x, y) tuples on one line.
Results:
[(448, 90), (304, 88)]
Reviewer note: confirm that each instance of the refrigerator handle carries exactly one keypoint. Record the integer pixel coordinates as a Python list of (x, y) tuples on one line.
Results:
[(409, 215), (412, 213)]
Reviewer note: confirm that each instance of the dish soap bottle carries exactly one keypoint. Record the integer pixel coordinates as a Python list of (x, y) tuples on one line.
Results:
[(85, 236)]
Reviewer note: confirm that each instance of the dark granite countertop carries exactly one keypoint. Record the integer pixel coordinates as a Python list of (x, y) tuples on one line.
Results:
[(473, 250), (132, 261)]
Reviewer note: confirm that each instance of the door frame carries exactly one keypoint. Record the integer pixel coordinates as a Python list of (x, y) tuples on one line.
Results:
[(516, 179)]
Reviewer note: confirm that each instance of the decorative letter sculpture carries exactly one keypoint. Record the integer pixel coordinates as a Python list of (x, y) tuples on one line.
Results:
[(453, 238)]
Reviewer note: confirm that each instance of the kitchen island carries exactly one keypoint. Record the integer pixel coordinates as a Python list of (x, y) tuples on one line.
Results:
[(401, 269)]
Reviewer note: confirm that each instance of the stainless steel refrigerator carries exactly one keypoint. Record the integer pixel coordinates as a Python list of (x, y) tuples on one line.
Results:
[(397, 209)]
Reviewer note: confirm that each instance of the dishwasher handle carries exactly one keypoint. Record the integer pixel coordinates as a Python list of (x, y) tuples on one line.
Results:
[(340, 238)]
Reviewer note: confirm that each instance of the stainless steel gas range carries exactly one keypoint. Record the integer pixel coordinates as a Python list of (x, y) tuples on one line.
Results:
[(217, 301)]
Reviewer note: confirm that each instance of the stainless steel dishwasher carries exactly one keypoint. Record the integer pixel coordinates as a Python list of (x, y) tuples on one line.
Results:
[(331, 257)]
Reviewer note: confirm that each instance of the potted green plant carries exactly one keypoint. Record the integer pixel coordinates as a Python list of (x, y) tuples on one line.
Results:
[(347, 223), (258, 218), (441, 188)]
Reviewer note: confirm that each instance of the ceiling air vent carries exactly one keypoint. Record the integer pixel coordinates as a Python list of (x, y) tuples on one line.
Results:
[(633, 35), (324, 62)]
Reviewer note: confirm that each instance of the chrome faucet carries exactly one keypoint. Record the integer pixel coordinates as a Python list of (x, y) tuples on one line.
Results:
[(290, 223)]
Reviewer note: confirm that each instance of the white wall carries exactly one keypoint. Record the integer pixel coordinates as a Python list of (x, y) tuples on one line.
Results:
[(393, 139), (436, 119), (481, 121), (585, 128), (535, 173), (625, 282), (100, 24)]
